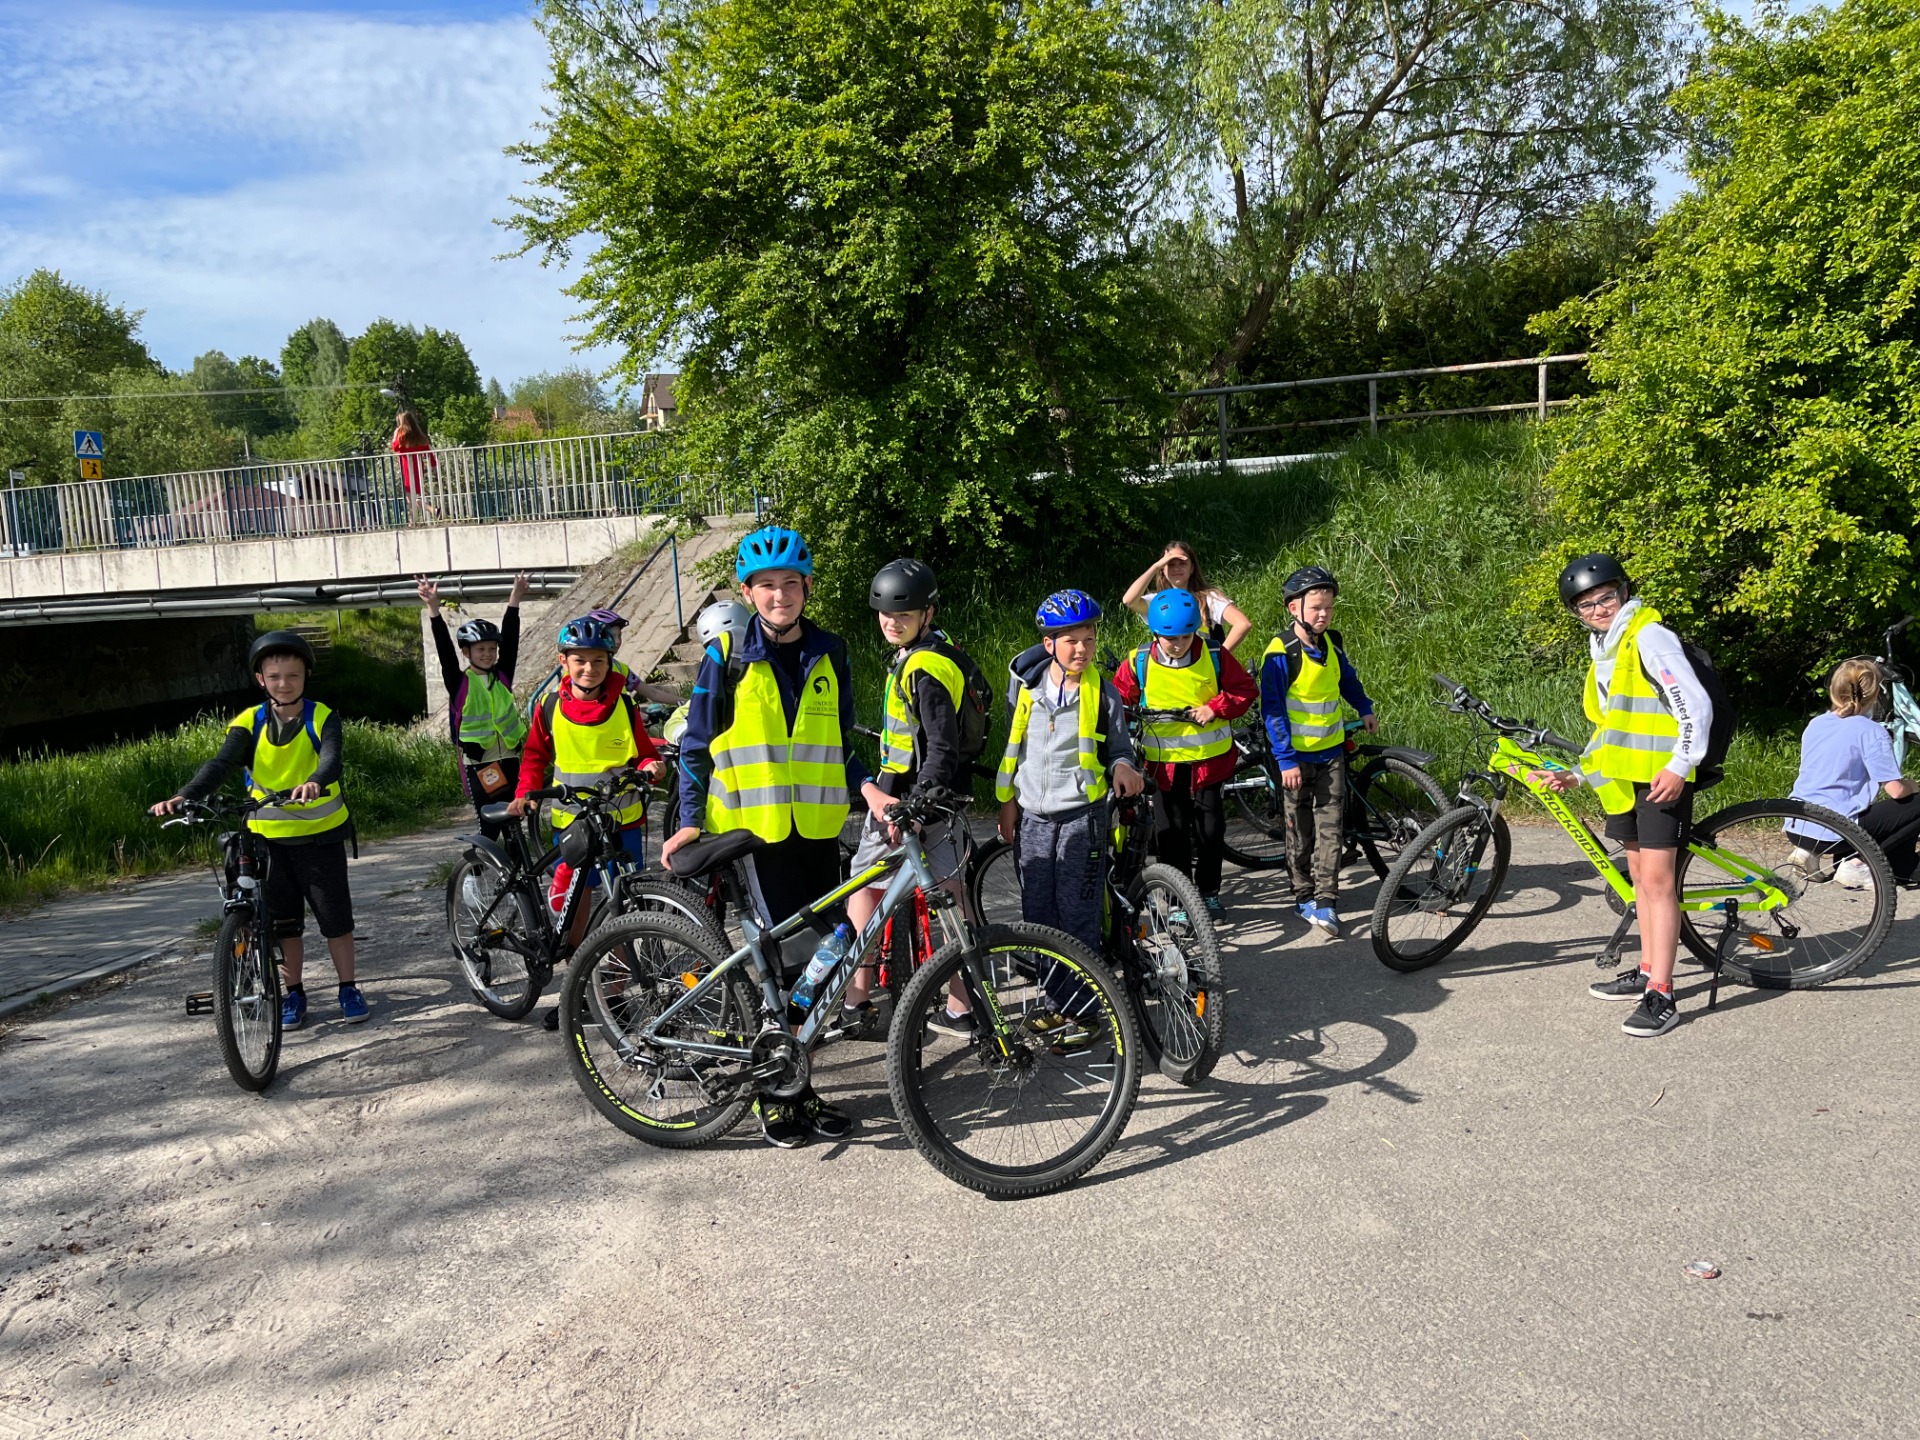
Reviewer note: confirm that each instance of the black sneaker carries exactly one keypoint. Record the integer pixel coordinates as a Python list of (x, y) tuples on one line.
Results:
[(551, 1020), (823, 1119), (1654, 1015), (1629, 984), (948, 1023), (860, 1022), (781, 1125)]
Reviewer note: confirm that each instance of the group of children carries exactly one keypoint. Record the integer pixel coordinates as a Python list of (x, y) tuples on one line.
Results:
[(765, 748)]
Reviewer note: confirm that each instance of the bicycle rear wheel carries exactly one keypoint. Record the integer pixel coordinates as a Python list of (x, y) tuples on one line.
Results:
[(495, 958), (993, 883), (1390, 802), (1174, 975), (246, 1001), (1256, 836), (674, 897), (1034, 1112), (1825, 931), (1440, 888), (623, 976)]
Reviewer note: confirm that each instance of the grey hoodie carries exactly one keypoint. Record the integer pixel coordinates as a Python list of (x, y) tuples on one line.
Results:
[(1050, 780)]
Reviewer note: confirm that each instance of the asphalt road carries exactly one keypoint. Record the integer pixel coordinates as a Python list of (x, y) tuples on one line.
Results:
[(1451, 1204)]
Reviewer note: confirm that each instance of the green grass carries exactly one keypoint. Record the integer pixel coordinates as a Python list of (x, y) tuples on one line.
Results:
[(375, 669), (1428, 531), (71, 821)]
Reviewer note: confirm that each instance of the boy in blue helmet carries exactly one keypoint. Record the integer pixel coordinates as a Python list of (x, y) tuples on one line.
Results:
[(1189, 758), (1069, 731), (765, 750)]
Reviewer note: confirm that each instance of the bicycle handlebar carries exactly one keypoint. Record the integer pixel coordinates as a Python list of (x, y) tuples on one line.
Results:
[(223, 807), (1535, 737), (933, 803), (598, 795)]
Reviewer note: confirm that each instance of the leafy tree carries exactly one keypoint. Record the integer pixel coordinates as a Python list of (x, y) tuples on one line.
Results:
[(436, 372), (496, 397), (1317, 138), (268, 413), (570, 400), (59, 339), (315, 357), (1755, 448), (155, 424), (889, 240)]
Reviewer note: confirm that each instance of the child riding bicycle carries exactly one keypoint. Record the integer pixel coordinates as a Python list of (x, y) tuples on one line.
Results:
[(1300, 698), (1189, 758), (291, 744), (765, 750), (1651, 717)]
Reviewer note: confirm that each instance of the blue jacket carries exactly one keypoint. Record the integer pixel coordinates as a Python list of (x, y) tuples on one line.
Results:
[(1274, 680), (696, 761)]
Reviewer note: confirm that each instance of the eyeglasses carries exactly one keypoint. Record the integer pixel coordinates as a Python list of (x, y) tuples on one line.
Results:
[(1606, 601)]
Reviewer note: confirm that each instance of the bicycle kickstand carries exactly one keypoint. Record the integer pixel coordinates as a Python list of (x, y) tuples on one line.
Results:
[(1609, 958), (1727, 936)]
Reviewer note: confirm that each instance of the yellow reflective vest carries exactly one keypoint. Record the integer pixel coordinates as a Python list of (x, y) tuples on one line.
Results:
[(1633, 732), (1094, 774), (768, 778), (488, 716), (1313, 697), (585, 755), (1170, 687), (900, 728), (282, 767)]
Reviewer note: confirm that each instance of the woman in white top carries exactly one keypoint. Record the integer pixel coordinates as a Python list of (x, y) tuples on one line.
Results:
[(1178, 568)]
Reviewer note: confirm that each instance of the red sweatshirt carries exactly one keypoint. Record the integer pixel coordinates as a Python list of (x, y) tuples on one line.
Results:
[(1237, 694), (536, 757)]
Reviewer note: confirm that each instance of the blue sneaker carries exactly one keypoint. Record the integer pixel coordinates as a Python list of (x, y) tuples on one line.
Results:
[(1214, 907), (1322, 919), (353, 1005), (293, 1010), (1307, 910)]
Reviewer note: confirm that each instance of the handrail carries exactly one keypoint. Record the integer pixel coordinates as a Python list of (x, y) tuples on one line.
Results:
[(1570, 358)]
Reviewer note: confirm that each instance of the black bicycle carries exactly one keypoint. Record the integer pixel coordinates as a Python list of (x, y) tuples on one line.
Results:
[(505, 935), (246, 975)]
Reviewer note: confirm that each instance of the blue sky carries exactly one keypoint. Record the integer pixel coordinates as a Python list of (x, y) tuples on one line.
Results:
[(234, 170)]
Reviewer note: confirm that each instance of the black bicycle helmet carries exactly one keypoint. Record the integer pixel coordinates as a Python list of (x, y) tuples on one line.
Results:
[(904, 585), (279, 642), (1309, 577), (1587, 573), (476, 632)]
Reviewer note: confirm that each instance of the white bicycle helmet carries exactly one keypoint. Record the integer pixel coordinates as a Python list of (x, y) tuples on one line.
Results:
[(728, 616)]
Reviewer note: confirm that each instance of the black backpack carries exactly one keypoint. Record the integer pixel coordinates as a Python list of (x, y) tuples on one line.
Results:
[(975, 711), (1726, 715)]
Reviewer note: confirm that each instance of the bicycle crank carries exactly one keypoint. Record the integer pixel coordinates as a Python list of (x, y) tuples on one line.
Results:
[(781, 1066)]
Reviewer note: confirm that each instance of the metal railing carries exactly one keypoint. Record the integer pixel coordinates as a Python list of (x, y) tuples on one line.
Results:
[(1224, 430), (567, 478)]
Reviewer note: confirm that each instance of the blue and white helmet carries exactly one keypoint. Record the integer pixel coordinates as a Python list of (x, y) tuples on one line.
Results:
[(1065, 609), (772, 547), (587, 633), (1173, 612)]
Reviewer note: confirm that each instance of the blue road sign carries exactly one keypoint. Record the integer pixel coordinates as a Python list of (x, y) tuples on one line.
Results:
[(89, 445)]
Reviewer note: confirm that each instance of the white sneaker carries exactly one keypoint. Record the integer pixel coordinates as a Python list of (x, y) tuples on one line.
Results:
[(1802, 858), (1852, 874)]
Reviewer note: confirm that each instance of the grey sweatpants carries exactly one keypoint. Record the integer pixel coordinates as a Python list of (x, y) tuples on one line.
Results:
[(1063, 871)]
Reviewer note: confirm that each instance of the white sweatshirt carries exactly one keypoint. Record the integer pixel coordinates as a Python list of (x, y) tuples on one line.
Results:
[(1665, 663)]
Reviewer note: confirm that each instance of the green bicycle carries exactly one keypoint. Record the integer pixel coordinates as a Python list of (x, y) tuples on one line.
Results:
[(1760, 900)]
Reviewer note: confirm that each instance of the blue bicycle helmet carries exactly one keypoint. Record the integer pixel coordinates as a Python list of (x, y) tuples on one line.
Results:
[(1173, 612), (1065, 609), (587, 633), (773, 547)]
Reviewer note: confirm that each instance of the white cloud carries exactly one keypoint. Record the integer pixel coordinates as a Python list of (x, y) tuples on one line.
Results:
[(237, 175)]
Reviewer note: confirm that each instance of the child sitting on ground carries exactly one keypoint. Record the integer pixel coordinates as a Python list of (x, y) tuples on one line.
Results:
[(1846, 757)]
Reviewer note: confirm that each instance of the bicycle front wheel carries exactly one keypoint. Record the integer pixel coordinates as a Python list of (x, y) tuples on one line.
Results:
[(246, 1001), (993, 883), (621, 979), (1174, 975), (1256, 835), (1034, 1110), (495, 936), (1390, 802), (1826, 928), (1440, 888)]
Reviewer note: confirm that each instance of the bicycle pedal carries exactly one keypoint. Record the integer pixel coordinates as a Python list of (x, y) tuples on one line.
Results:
[(200, 1003)]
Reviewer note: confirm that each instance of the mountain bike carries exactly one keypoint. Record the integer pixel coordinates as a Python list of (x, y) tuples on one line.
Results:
[(671, 1037), (246, 976), (505, 936), (1755, 903), (1390, 799), (1158, 936)]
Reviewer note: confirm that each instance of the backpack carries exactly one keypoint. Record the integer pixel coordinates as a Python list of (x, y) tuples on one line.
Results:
[(1726, 715), (975, 711), (1296, 647)]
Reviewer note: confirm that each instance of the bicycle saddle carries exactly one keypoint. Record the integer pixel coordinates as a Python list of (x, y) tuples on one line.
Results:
[(701, 857), (494, 814)]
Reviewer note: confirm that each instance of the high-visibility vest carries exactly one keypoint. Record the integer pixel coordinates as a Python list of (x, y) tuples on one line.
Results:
[(584, 755), (898, 731), (489, 718), (1093, 773), (1170, 687), (1313, 697), (772, 780), (281, 767), (1634, 733)]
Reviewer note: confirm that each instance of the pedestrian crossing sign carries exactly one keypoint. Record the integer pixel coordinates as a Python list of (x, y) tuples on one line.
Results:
[(90, 470), (89, 445)]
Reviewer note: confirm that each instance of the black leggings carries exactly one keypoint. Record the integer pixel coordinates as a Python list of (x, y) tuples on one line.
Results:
[(1895, 824), (1183, 810)]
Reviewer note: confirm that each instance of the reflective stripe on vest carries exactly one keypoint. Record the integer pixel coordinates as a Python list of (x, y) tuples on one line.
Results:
[(1634, 734), (770, 780), (585, 755), (1182, 687), (897, 733), (489, 718), (1093, 775), (281, 767), (1313, 700)]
